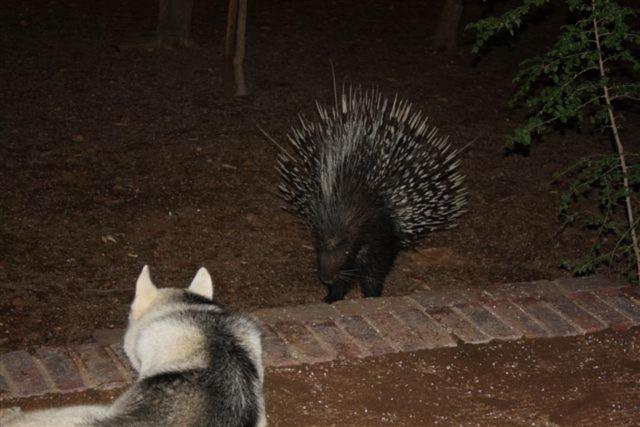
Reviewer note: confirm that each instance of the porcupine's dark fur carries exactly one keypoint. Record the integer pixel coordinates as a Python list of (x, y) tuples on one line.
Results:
[(369, 177)]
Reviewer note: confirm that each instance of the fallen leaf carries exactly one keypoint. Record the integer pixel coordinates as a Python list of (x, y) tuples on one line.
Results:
[(108, 238)]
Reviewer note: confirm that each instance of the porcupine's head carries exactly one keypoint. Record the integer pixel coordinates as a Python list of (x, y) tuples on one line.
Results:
[(323, 181), (365, 159), (340, 228), (336, 207)]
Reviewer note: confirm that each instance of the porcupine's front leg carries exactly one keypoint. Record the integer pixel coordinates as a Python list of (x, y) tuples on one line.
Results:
[(372, 282), (374, 266), (337, 291)]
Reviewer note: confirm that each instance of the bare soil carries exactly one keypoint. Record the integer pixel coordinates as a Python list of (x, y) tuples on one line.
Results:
[(589, 380), (115, 154)]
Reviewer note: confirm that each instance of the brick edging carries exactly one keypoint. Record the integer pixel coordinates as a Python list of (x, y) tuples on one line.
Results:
[(443, 318), (360, 328)]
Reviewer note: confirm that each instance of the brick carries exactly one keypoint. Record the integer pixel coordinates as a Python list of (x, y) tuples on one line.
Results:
[(515, 317), (543, 288), (4, 386), (342, 344), (365, 306), (396, 332), (582, 284), (276, 352), (445, 297), (458, 326), (611, 292), (597, 307), (102, 370), (303, 341), (364, 334), (551, 319), (485, 321), (576, 315), (299, 313), (61, 368), (521, 290), (9, 412), (625, 306), (432, 334), (24, 373), (630, 292), (117, 352)]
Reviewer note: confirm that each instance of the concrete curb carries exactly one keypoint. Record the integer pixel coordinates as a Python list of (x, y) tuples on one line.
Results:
[(358, 328)]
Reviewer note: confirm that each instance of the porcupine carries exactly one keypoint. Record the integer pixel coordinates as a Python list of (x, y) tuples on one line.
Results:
[(370, 177)]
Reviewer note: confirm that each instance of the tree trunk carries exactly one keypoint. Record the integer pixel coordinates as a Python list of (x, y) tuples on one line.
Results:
[(616, 137), (447, 31), (235, 48), (174, 22)]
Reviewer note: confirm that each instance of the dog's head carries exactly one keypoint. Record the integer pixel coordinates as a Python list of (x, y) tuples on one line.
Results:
[(148, 296), (152, 327)]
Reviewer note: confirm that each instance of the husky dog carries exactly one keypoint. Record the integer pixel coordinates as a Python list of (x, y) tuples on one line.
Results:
[(197, 364)]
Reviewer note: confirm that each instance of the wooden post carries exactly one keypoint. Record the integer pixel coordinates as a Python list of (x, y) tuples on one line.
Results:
[(447, 31), (235, 48), (174, 22)]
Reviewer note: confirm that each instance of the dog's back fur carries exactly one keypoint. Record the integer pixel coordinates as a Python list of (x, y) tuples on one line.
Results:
[(198, 365)]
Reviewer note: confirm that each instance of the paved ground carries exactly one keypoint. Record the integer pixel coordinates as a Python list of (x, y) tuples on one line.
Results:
[(324, 345)]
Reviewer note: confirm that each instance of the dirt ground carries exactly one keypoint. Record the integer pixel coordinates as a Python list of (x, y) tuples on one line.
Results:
[(589, 380), (114, 155), (593, 380)]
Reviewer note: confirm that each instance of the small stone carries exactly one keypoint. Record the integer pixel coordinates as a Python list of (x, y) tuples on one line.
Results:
[(252, 219)]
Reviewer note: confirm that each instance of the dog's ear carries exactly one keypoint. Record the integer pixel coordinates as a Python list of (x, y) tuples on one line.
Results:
[(202, 284), (145, 294), (145, 288)]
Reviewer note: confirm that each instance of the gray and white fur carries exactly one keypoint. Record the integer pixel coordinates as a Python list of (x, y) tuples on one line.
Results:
[(370, 177), (197, 364)]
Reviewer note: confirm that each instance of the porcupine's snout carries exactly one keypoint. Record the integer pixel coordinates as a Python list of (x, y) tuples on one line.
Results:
[(329, 266)]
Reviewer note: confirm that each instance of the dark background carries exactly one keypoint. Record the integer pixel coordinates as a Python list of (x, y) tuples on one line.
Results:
[(115, 153)]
